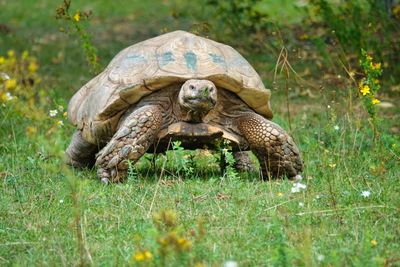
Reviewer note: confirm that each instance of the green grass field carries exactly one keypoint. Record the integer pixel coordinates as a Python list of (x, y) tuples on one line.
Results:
[(348, 214)]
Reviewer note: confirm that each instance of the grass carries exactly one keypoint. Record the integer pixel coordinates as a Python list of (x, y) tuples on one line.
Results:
[(53, 215)]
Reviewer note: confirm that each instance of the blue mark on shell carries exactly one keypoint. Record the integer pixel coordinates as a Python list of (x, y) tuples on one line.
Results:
[(165, 58), (217, 59), (191, 60), (136, 59)]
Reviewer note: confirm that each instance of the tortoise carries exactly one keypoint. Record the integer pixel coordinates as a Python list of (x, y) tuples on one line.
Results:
[(177, 86)]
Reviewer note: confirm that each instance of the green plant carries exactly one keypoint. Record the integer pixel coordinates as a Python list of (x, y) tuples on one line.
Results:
[(75, 26), (184, 163), (369, 86), (20, 83), (228, 161), (22, 93), (240, 16), (171, 245), (361, 24)]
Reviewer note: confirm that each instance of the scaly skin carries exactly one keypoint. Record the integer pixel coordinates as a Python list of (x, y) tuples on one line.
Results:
[(243, 162), (274, 148), (134, 136), (80, 153)]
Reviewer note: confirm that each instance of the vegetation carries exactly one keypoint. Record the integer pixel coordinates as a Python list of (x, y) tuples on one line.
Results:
[(338, 87)]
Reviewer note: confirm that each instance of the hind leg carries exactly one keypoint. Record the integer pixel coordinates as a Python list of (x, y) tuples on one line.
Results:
[(80, 153), (136, 133), (274, 148), (243, 162)]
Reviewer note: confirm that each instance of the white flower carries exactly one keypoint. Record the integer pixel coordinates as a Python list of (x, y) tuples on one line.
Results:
[(298, 177), (230, 264), (61, 201), (336, 127), (365, 194), (320, 257), (4, 76), (9, 97), (301, 204), (297, 187), (53, 112)]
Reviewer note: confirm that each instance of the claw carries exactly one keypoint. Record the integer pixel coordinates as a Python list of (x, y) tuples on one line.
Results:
[(105, 180)]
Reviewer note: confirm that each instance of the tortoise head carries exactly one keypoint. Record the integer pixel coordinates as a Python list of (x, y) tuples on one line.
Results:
[(197, 97)]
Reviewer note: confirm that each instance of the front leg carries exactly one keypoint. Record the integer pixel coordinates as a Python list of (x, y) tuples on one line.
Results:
[(135, 134), (274, 148)]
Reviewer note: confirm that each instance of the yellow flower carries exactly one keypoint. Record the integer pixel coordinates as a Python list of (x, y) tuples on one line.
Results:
[(31, 130), (6, 97), (10, 53), (332, 165), (375, 66), (77, 16), (10, 84), (25, 54), (369, 58), (65, 114), (139, 256), (365, 90), (2, 60), (280, 194), (184, 244), (32, 67), (147, 254), (375, 101), (304, 36), (60, 123), (374, 243)]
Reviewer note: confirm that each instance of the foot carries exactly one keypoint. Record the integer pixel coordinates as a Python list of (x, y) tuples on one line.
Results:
[(274, 148), (243, 162), (134, 136)]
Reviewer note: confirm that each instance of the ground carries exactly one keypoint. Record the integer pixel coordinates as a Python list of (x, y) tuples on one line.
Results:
[(185, 212)]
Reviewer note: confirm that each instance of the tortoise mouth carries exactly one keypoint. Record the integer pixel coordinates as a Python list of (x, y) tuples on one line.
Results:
[(199, 104)]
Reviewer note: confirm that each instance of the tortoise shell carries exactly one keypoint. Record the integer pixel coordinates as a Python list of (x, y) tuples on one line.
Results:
[(153, 64)]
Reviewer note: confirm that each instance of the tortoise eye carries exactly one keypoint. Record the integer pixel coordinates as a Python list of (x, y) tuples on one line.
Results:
[(191, 87)]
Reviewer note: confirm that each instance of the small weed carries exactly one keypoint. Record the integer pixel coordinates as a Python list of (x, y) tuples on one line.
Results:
[(228, 161), (369, 87), (184, 163), (75, 26), (171, 246)]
